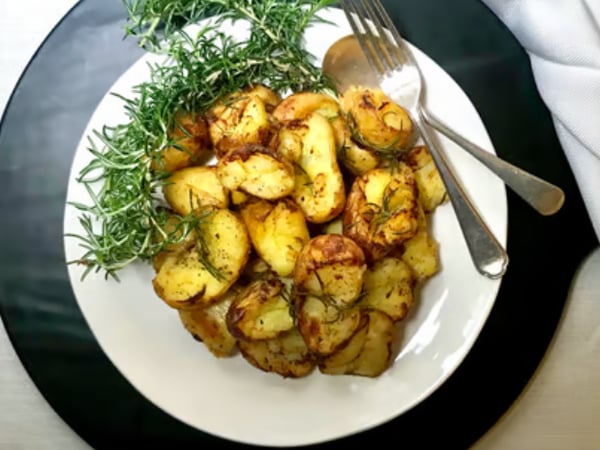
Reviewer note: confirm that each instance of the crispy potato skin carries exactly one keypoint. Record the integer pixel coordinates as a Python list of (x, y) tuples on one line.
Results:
[(376, 353), (324, 328), (241, 119), (260, 311), (432, 191), (258, 171), (376, 119), (382, 210), (195, 187), (286, 355), (332, 266), (340, 362), (278, 232), (183, 280), (191, 144), (388, 287), (209, 326), (319, 185)]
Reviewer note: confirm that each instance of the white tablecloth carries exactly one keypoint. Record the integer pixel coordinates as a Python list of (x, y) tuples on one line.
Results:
[(558, 410)]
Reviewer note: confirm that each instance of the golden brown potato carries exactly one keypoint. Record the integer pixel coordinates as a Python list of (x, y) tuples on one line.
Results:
[(268, 96), (195, 187), (319, 186), (209, 325), (278, 232), (258, 171), (286, 355), (375, 356), (375, 120), (421, 251), (201, 275), (261, 311), (388, 287), (341, 361), (331, 267), (189, 144), (325, 328), (180, 233), (382, 210), (432, 191), (240, 119), (356, 158), (301, 105)]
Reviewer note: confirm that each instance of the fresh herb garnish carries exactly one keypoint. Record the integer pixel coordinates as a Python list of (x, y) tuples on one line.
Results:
[(201, 69)]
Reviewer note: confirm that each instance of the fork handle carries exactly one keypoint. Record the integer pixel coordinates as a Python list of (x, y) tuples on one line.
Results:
[(489, 257), (544, 197)]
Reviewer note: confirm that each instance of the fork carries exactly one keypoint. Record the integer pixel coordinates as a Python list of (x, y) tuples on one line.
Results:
[(400, 78)]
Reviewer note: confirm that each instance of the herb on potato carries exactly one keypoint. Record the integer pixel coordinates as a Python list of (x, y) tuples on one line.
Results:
[(122, 219)]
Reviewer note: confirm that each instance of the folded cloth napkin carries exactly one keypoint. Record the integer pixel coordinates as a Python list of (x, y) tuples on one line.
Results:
[(562, 38)]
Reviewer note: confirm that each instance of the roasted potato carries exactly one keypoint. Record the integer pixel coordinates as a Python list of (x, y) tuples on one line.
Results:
[(181, 234), (375, 356), (209, 325), (388, 287), (421, 252), (194, 187), (189, 144), (261, 311), (268, 96), (336, 226), (357, 158), (258, 171), (278, 232), (375, 120), (286, 355), (432, 191), (331, 267), (299, 106), (325, 327), (239, 120), (341, 361), (382, 210), (319, 186), (202, 274)]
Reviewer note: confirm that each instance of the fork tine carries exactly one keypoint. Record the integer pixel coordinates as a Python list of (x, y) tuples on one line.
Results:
[(387, 22), (388, 49), (362, 34)]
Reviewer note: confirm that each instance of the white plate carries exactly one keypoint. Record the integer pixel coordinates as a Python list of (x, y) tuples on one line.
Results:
[(229, 398)]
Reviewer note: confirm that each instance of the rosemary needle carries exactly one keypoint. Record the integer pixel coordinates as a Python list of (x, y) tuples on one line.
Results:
[(122, 222)]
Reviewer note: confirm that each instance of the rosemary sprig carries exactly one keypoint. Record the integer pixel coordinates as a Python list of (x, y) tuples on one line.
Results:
[(122, 219)]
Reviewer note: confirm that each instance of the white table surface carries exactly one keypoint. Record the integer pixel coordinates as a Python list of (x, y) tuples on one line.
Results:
[(560, 408)]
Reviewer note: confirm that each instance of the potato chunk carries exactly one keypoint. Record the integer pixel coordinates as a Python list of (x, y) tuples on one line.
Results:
[(286, 355), (375, 120), (421, 252), (319, 186), (195, 187), (240, 119), (382, 210), (257, 171), (432, 191), (260, 311), (209, 326), (278, 232), (341, 361), (388, 287), (189, 144), (201, 275), (375, 356), (331, 267), (325, 328)]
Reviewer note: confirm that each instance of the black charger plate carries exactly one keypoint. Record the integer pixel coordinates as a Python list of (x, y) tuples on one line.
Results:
[(41, 128)]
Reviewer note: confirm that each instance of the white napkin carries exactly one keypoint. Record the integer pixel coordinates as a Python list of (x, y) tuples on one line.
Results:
[(562, 38)]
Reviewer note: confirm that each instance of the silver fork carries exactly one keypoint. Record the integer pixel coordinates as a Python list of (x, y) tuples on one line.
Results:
[(400, 79)]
